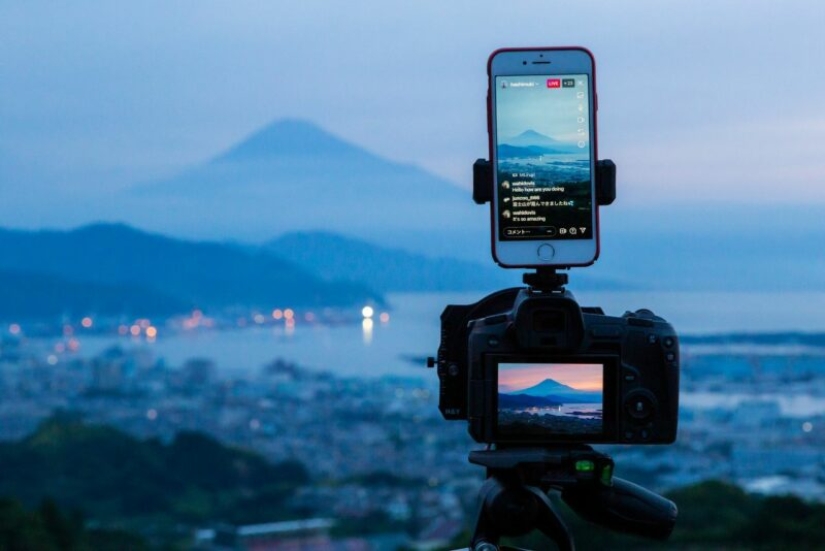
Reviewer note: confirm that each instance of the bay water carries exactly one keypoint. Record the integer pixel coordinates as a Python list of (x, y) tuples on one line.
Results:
[(401, 345)]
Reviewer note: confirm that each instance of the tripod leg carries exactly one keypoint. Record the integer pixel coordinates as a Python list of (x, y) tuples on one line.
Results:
[(515, 510), (550, 523), (486, 533)]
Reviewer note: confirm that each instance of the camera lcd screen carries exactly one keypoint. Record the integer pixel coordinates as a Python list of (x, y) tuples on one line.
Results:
[(543, 154), (549, 401)]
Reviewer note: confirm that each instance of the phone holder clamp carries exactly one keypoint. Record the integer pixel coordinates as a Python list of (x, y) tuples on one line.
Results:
[(605, 182), (545, 279)]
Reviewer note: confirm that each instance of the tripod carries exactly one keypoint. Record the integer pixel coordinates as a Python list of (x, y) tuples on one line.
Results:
[(514, 500)]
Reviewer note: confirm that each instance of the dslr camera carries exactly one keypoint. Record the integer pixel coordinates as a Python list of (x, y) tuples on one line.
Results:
[(527, 366)]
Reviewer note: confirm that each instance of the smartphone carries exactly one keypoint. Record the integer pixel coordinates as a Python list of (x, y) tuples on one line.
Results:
[(542, 127)]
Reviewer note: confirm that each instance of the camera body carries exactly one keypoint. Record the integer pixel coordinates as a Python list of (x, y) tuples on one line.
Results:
[(530, 367)]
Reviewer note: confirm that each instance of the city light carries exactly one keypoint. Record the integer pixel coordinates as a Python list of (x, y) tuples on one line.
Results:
[(289, 314), (135, 330), (384, 317), (152, 414), (151, 332), (277, 314), (366, 329), (367, 311), (807, 426), (51, 359), (259, 318), (86, 322), (14, 329)]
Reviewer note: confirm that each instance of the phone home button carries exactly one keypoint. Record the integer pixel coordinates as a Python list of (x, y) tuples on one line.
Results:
[(546, 251)]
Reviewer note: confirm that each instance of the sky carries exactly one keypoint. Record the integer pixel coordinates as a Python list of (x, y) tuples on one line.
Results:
[(514, 377), (699, 102)]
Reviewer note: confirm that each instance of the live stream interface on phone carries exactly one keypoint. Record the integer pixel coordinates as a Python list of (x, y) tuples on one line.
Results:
[(543, 157), (554, 399)]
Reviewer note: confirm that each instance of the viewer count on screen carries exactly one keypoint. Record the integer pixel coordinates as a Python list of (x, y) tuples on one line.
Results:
[(543, 157)]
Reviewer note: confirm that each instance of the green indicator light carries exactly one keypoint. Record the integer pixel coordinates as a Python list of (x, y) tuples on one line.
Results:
[(585, 466)]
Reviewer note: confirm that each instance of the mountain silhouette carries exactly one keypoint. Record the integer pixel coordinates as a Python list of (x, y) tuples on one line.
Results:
[(33, 296), (522, 401), (531, 137), (202, 274), (291, 137), (294, 176), (533, 144), (384, 269), (555, 391), (546, 387), (506, 151)]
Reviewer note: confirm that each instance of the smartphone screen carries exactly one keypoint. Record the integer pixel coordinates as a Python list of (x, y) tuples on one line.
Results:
[(547, 401), (544, 157), (543, 154)]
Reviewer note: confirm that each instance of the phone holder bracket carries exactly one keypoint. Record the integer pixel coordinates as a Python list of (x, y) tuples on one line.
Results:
[(605, 182), (545, 280)]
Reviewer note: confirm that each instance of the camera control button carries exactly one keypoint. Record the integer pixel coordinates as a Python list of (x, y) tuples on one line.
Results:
[(630, 375), (668, 342), (546, 251), (640, 406)]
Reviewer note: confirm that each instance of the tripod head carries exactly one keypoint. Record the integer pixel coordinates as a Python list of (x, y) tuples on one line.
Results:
[(514, 500)]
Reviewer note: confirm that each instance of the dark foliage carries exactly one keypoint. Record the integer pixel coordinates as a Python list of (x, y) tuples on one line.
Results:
[(110, 476), (48, 528)]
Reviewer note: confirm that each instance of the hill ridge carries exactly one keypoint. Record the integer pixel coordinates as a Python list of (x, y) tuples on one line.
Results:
[(203, 274)]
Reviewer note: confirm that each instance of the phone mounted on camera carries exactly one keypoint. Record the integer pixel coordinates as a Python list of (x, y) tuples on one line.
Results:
[(624, 369), (538, 378)]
